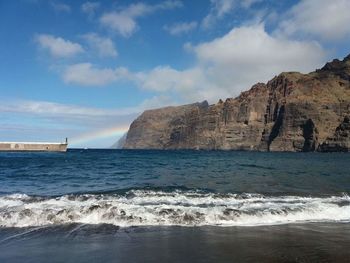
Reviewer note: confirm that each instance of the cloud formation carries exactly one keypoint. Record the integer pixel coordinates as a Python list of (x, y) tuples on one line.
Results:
[(224, 66), (233, 63), (33, 120), (57, 46), (326, 20), (248, 54), (124, 21), (58, 120), (90, 8), (249, 3), (181, 28), (103, 45), (219, 8), (61, 7), (86, 74), (46, 108)]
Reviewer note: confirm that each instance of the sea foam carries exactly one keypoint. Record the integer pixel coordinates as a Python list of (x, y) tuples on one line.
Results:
[(183, 208)]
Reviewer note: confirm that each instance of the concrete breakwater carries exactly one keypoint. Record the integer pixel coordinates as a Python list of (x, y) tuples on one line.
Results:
[(33, 146)]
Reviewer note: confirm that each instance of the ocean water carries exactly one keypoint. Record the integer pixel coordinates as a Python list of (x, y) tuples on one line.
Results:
[(174, 206)]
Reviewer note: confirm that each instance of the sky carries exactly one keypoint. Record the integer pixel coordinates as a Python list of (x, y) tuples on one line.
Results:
[(86, 69)]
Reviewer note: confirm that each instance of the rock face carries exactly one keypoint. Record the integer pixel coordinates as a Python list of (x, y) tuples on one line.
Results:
[(340, 141), (292, 112)]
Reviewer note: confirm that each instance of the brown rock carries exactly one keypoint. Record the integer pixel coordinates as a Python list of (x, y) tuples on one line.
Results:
[(292, 112), (340, 141)]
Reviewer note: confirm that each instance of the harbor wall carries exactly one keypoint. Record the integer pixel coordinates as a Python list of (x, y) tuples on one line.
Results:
[(18, 146)]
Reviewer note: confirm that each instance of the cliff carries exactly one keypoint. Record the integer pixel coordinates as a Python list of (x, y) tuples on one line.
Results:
[(292, 112)]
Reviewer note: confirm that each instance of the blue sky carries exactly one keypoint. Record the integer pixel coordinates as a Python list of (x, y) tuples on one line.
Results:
[(86, 69)]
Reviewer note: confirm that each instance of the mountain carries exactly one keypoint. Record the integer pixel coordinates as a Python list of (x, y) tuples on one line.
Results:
[(292, 112)]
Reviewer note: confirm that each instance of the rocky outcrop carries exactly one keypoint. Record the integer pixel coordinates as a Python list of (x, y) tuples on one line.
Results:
[(340, 141), (292, 112)]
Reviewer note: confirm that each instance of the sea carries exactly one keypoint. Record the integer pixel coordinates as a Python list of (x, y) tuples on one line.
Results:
[(174, 206)]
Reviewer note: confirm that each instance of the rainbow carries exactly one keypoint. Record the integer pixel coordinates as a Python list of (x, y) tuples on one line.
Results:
[(115, 132)]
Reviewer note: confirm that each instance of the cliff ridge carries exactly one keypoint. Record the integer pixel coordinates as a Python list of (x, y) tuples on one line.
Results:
[(292, 112)]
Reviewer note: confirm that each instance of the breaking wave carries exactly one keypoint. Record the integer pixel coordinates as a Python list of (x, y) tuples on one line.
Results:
[(183, 208)]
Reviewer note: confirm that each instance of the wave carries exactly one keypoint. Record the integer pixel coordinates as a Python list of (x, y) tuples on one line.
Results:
[(183, 208)]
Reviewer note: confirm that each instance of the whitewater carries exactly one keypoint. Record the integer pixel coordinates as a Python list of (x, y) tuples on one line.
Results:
[(182, 208), (174, 206)]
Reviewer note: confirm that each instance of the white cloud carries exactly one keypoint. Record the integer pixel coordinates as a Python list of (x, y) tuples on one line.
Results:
[(249, 3), (83, 125), (327, 20), (181, 28), (221, 8), (90, 8), (233, 63), (86, 74), (190, 85), (73, 113), (224, 66), (103, 45), (124, 21), (57, 46), (44, 120), (46, 108), (121, 23), (165, 78), (61, 7), (218, 9), (249, 54), (157, 102), (168, 5)]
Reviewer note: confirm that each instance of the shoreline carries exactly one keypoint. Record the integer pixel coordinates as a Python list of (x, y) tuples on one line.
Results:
[(104, 243)]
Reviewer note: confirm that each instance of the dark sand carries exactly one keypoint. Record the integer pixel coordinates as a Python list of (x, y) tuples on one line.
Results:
[(105, 243)]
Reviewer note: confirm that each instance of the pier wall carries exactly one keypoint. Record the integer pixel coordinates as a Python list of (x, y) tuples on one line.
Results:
[(49, 147)]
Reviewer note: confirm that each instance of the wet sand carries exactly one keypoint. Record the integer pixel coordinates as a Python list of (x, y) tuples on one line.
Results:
[(313, 242)]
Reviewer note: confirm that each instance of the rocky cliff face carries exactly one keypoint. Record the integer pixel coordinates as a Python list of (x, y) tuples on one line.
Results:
[(292, 112)]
